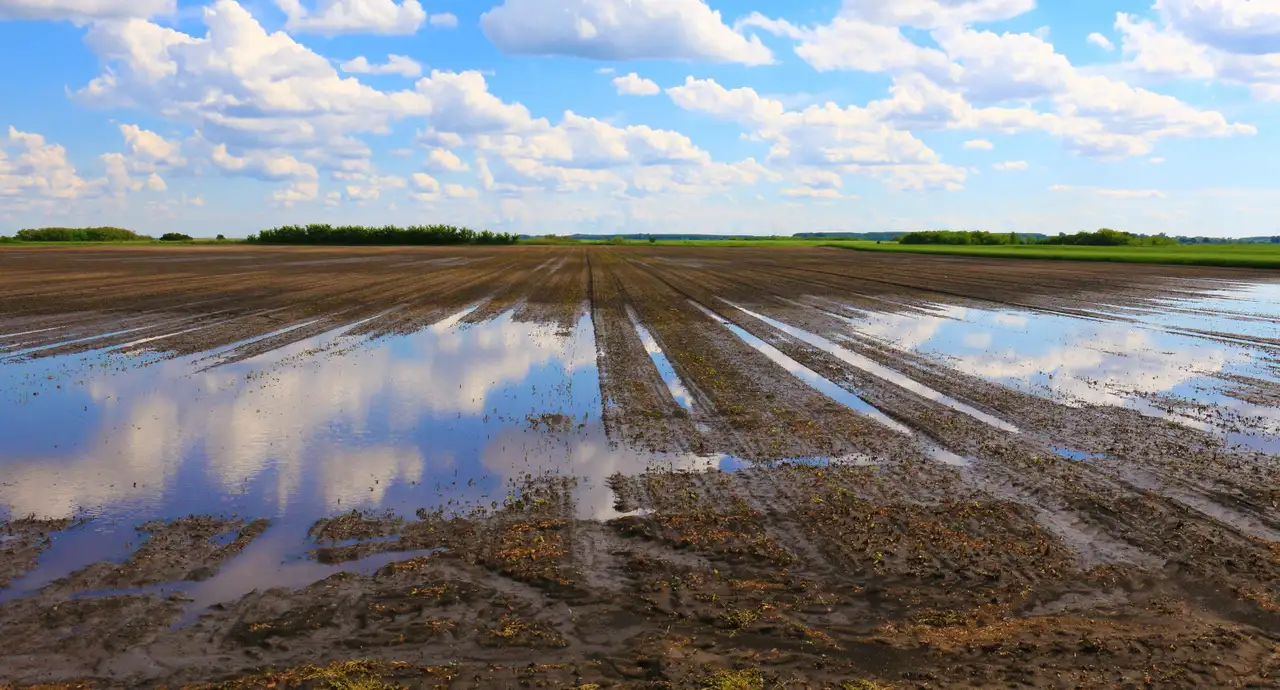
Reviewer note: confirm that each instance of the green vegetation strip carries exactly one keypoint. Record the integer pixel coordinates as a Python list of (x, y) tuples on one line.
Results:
[(1238, 255), (317, 233)]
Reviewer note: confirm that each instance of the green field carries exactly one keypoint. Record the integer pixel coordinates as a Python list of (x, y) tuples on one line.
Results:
[(1242, 255)]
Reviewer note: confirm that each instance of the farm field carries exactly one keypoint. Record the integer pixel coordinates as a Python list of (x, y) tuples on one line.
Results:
[(1238, 255), (635, 466)]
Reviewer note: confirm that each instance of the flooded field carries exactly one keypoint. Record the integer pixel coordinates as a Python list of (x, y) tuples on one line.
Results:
[(634, 467)]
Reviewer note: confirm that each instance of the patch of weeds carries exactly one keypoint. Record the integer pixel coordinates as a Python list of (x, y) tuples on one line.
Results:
[(864, 685), (739, 619), (745, 679), (360, 674), (942, 619), (514, 632)]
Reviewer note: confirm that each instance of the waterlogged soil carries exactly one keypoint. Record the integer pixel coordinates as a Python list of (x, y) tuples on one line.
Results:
[(253, 467)]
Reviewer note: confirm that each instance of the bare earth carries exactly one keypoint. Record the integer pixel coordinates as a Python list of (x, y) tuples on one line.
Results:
[(1157, 564)]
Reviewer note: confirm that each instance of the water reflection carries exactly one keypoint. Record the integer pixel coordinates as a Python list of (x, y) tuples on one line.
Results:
[(1171, 350), (295, 431), (445, 417)]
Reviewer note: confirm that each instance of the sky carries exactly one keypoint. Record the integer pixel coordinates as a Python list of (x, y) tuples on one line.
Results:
[(754, 117)]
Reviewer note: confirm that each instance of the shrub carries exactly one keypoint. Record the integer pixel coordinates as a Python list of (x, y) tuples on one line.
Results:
[(175, 237), (103, 234), (220, 238), (954, 237), (1106, 237)]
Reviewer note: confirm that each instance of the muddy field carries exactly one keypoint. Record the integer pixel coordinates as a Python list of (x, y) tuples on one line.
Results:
[(579, 467)]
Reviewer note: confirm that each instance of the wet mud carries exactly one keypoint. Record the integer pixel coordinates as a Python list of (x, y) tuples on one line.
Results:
[(639, 467)]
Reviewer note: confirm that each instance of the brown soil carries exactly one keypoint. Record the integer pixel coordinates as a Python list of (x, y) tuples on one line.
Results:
[(1154, 564)]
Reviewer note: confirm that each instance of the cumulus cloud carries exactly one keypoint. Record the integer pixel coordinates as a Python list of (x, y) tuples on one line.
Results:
[(333, 17), (1008, 166), (850, 139), (620, 30), (83, 10), (263, 165), (238, 83), (396, 64), (444, 21), (1248, 27), (457, 191), (856, 45), (36, 172), (442, 160), (1236, 42), (1097, 39), (635, 85), (979, 144), (149, 150), (932, 14)]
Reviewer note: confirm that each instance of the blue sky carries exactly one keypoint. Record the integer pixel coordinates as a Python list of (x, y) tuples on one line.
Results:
[(742, 116)]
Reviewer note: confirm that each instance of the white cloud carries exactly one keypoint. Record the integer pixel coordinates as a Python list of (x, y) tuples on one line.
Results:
[(302, 190), (1247, 27), (149, 150), (979, 144), (82, 10), (857, 45), (1100, 41), (263, 165), (1239, 44), (1010, 165), (239, 84), (442, 160), (811, 193), (1155, 161), (932, 14), (851, 139), (444, 21), (1112, 193), (1162, 53), (457, 191), (1008, 66), (620, 30), (635, 85), (35, 172), (425, 183), (331, 17), (396, 64)]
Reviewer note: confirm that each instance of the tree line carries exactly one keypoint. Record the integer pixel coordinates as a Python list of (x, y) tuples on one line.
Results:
[(1103, 237), (318, 233)]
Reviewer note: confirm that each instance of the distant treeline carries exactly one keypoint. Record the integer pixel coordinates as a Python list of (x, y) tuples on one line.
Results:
[(1273, 239), (386, 234), (1104, 237), (105, 234)]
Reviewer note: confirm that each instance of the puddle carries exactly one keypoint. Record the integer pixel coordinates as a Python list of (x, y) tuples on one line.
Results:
[(668, 373), (441, 418), (1147, 359), (834, 391), (1077, 455), (878, 370)]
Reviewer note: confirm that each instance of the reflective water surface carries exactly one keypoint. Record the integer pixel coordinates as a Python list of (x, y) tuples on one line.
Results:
[(458, 414), (1172, 351)]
